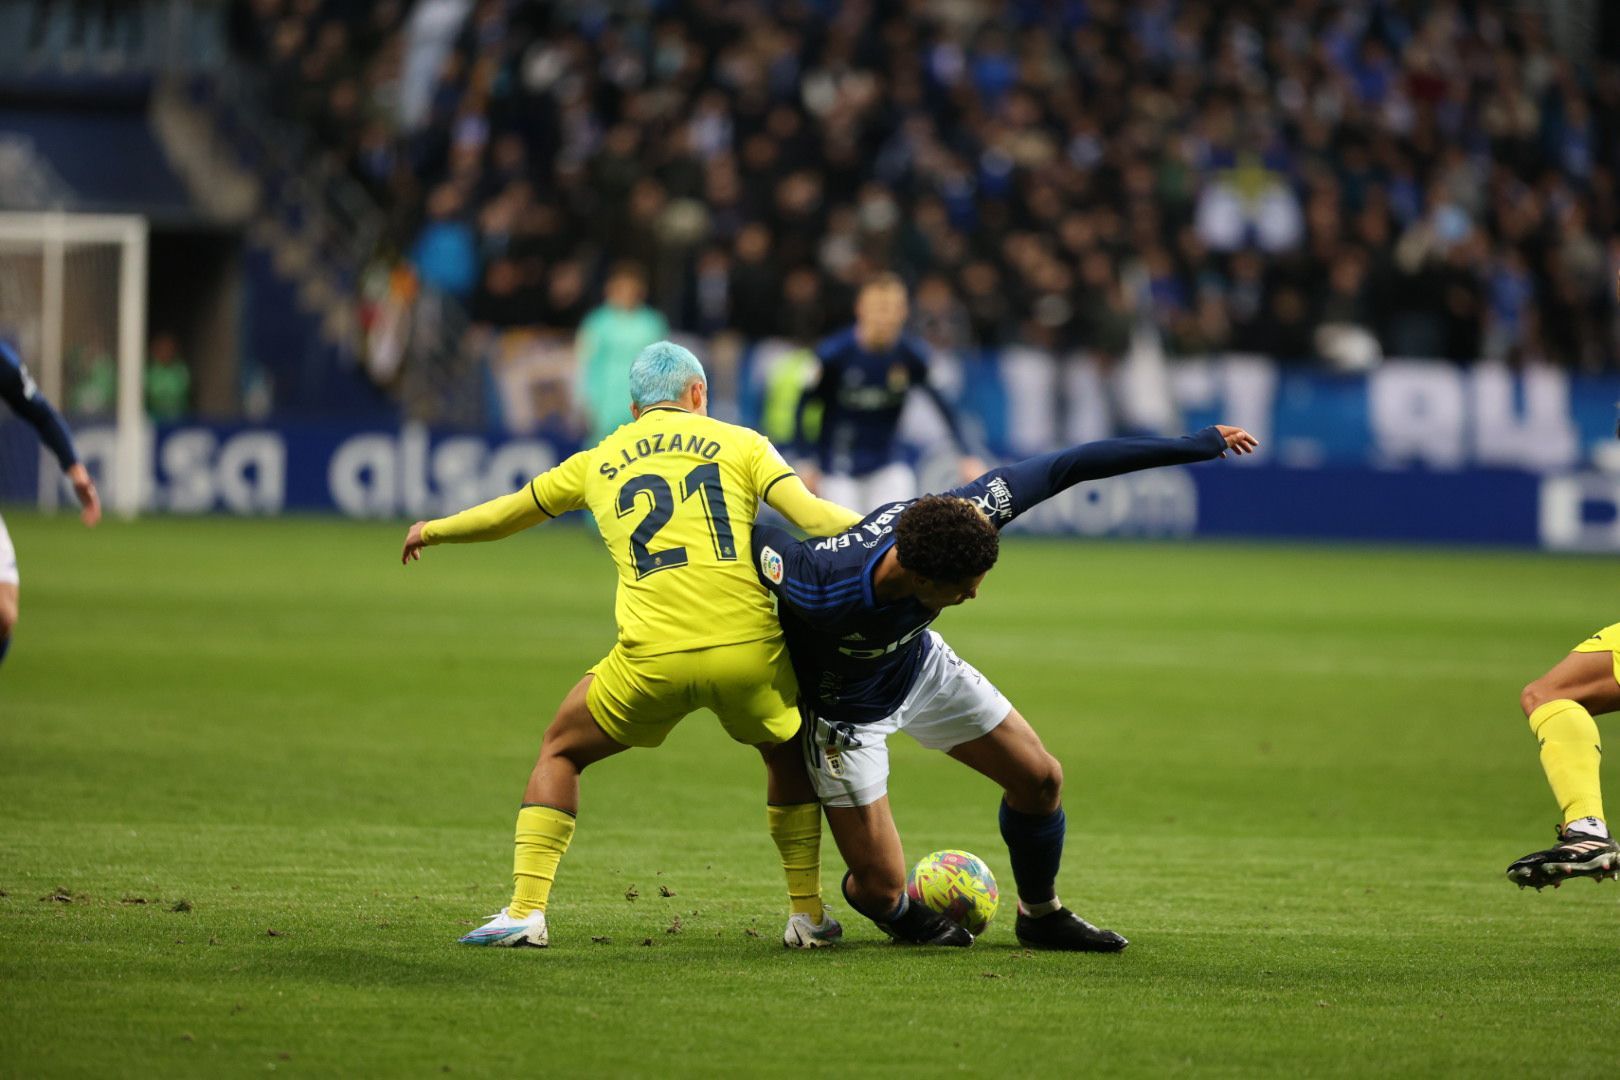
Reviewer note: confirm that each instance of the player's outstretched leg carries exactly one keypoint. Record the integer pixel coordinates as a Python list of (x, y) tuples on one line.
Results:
[(875, 885), (1034, 826), (793, 816), (545, 823), (1560, 706)]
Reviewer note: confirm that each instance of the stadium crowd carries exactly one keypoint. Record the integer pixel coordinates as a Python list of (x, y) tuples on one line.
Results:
[(1299, 178)]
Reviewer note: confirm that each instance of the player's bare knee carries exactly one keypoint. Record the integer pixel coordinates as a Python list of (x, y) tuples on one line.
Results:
[(8, 616), (1537, 694), (561, 743), (1052, 782), (1039, 791)]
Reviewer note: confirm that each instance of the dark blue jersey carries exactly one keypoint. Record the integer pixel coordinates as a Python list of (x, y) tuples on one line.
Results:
[(856, 657), (861, 395), (17, 389)]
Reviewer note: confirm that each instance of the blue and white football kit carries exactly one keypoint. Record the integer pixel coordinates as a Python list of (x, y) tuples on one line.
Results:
[(862, 394), (867, 668), (17, 390)]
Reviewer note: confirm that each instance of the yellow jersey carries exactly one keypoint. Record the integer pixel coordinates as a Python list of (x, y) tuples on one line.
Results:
[(675, 496)]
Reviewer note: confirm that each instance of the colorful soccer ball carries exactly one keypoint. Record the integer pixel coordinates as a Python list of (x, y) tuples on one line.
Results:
[(958, 886)]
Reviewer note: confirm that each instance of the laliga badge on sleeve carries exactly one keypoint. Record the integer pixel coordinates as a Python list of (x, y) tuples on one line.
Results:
[(770, 564)]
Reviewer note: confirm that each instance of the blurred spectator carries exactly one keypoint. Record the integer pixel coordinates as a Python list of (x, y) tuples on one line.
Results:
[(609, 339), (1433, 176), (93, 378), (167, 380), (445, 253)]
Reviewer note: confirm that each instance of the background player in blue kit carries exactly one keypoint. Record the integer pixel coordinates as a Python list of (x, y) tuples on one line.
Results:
[(866, 373), (856, 608), (17, 389)]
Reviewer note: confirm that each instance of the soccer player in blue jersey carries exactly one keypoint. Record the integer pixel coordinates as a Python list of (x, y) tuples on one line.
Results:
[(856, 608), (17, 389), (866, 373)]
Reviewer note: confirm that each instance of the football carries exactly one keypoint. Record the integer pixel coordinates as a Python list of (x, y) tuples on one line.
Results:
[(959, 886)]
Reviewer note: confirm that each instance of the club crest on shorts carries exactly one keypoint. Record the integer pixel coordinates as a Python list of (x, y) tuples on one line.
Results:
[(770, 564)]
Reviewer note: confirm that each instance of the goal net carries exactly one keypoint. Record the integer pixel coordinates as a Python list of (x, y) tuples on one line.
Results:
[(73, 303)]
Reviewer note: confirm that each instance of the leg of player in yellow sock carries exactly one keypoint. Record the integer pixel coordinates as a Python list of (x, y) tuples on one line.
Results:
[(793, 816), (1559, 707), (1571, 752), (543, 833), (796, 829), (545, 824)]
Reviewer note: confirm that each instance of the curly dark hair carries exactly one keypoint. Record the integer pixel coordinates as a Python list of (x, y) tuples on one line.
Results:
[(943, 538)]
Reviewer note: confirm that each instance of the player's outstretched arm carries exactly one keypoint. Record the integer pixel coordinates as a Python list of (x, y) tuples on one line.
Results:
[(555, 491), (789, 497), (18, 390), (85, 489), (1009, 491), (492, 520)]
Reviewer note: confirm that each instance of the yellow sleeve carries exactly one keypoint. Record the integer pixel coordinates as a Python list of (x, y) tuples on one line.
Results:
[(781, 489), (765, 464), (557, 491), (492, 520), (818, 517), (553, 492)]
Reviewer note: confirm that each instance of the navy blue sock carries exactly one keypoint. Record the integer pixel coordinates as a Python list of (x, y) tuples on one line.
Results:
[(1035, 846), (5, 644), (899, 908)]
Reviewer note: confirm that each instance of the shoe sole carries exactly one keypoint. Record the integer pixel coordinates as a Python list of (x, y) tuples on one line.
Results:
[(519, 942), (1028, 944), (813, 943), (1541, 875)]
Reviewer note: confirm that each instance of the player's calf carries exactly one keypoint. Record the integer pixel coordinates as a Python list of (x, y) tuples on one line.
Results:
[(912, 924)]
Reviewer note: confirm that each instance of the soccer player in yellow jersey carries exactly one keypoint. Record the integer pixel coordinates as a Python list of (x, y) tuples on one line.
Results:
[(1560, 706), (674, 494)]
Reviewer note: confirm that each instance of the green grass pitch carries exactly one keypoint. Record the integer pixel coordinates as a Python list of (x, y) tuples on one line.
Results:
[(255, 778)]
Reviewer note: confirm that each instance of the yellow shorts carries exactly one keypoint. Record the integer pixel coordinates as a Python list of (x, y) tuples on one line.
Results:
[(1605, 640), (637, 700)]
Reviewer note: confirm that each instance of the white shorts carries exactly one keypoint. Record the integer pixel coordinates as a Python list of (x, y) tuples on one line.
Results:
[(892, 483), (8, 558), (949, 704)]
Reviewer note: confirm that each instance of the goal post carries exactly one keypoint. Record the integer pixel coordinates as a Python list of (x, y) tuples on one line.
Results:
[(73, 298)]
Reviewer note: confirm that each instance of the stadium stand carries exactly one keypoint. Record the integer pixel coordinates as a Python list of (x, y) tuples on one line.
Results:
[(1293, 179)]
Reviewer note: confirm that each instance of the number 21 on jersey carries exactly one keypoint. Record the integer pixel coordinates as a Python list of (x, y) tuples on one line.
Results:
[(703, 484)]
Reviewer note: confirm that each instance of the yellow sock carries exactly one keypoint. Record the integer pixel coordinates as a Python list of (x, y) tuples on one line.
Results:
[(542, 837), (1571, 752), (797, 832)]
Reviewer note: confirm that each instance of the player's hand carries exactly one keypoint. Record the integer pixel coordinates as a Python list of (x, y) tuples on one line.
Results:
[(970, 469), (85, 489), (812, 479), (1238, 441), (413, 544)]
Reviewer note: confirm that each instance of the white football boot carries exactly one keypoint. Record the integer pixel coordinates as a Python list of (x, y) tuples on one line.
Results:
[(504, 930), (801, 933)]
